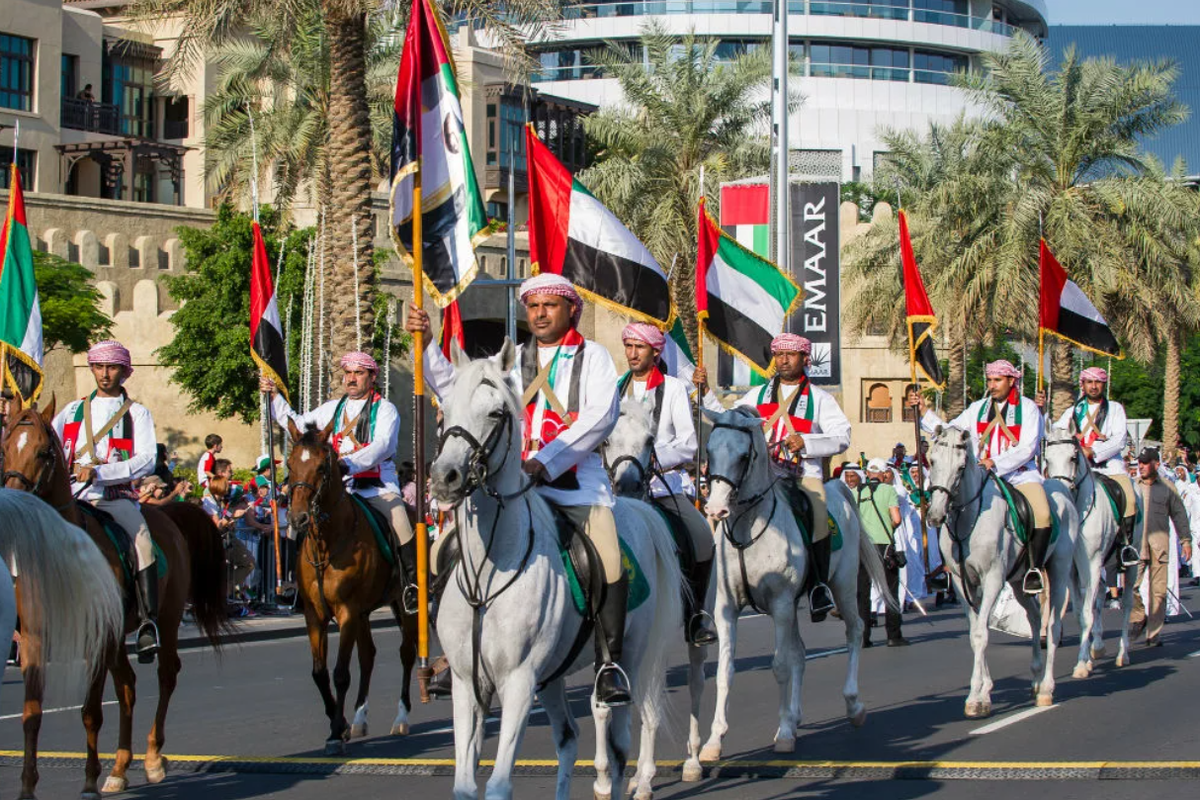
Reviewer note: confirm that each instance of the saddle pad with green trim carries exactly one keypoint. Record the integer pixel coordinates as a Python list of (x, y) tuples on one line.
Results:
[(124, 547), (1015, 519), (380, 527), (802, 510), (639, 587)]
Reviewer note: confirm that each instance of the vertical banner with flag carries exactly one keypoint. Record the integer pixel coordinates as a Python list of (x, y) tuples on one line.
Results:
[(1066, 312), (452, 328), (428, 131), (20, 312), (572, 234), (743, 298), (919, 316), (266, 333)]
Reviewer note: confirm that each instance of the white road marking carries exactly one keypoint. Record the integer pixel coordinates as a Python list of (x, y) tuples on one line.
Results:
[(1011, 720), (1194, 655), (56, 710), (826, 653)]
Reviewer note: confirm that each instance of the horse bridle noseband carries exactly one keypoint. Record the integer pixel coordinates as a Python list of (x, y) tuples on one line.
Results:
[(315, 514), (44, 456), (646, 474)]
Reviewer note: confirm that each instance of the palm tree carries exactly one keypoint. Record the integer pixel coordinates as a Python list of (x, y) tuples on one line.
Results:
[(686, 111), (209, 24)]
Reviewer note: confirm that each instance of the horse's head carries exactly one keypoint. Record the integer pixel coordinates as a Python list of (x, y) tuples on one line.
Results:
[(481, 439), (949, 455), (32, 455), (313, 475), (628, 449), (1063, 457), (737, 458)]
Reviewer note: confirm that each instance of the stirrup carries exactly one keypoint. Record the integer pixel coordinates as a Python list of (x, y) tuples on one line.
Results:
[(695, 626), (827, 606), (410, 599), (938, 582), (1129, 557), (147, 651), (615, 667), (1031, 575)]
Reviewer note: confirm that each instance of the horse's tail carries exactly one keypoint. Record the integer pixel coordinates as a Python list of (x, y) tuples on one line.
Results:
[(70, 601), (208, 589), (868, 556), (670, 595)]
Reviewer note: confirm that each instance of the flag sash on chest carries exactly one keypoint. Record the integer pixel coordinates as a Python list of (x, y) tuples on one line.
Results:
[(1006, 429)]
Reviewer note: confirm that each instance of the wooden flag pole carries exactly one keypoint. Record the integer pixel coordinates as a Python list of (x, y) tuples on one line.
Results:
[(699, 409), (424, 673)]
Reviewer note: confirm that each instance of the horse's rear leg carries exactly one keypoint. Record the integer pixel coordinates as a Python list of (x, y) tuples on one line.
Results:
[(787, 674), (169, 665), (125, 684), (408, 657), (726, 618), (31, 718), (366, 665), (566, 734), (692, 771), (93, 720), (612, 748), (1086, 580), (846, 594)]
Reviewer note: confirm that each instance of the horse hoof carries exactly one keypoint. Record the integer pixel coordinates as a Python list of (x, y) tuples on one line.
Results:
[(975, 710), (783, 745), (158, 773), (1122, 661), (400, 729), (358, 731), (692, 771), (859, 717), (1045, 700), (1100, 652), (710, 753), (1081, 671), (597, 796), (643, 796), (335, 747), (113, 784)]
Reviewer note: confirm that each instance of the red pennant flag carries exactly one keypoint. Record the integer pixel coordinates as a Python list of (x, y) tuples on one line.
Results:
[(266, 333), (452, 328), (921, 320)]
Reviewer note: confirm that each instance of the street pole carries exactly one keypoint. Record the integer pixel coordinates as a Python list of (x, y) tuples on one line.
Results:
[(782, 188), (510, 296)]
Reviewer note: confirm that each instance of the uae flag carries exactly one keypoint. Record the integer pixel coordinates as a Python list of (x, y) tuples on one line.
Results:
[(266, 334), (1067, 313), (677, 353), (452, 328), (572, 234), (428, 134), (922, 322), (743, 298), (20, 313)]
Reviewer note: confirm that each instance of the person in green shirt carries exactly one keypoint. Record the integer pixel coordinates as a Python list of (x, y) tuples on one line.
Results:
[(879, 510)]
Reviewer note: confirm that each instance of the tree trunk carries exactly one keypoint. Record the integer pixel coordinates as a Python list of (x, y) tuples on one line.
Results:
[(350, 162), (1170, 426), (957, 356), (1062, 368)]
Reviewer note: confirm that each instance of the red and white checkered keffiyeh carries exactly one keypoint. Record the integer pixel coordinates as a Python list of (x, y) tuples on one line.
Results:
[(551, 283), (1093, 374), (644, 332), (110, 351), (791, 343), (1001, 369), (359, 360)]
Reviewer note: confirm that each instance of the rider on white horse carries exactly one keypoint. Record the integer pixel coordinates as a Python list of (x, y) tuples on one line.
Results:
[(1006, 436), (109, 442), (803, 424), (366, 429), (666, 397), (1099, 425), (562, 441)]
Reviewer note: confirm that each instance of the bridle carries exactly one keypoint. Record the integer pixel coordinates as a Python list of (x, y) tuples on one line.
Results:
[(44, 457), (1077, 446), (479, 469), (645, 473), (315, 516)]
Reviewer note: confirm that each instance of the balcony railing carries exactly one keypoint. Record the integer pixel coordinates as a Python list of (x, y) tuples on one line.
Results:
[(85, 115)]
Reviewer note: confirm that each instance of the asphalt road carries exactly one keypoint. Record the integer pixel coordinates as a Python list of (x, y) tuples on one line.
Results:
[(257, 700)]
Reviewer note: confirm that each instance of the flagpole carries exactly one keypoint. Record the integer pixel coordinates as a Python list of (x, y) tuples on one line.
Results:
[(424, 673), (699, 407)]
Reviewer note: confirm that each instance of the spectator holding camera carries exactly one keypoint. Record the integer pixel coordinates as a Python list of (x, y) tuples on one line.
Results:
[(879, 510)]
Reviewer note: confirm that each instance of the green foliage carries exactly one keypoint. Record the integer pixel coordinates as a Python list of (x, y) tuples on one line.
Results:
[(865, 196), (210, 353), (69, 302)]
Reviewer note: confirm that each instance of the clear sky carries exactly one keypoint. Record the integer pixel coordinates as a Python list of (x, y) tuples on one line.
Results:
[(1124, 12)]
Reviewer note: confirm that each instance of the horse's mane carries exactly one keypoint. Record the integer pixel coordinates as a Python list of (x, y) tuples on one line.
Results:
[(311, 436)]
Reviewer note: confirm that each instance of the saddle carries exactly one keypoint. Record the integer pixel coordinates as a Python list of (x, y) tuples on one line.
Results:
[(1020, 512), (385, 537), (1115, 493), (802, 507), (122, 542), (667, 509), (584, 571)]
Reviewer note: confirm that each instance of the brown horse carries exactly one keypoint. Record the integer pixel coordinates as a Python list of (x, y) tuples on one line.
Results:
[(195, 556), (342, 575)]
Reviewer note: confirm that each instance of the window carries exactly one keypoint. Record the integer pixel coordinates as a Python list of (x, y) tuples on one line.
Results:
[(908, 413), (878, 400), (70, 75), (129, 85), (26, 159), (851, 61), (933, 67), (887, 9), (176, 117), (16, 72)]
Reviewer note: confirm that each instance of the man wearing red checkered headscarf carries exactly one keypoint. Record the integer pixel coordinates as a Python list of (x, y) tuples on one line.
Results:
[(804, 426), (109, 442)]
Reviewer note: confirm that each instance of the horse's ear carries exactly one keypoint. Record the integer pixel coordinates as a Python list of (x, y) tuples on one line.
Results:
[(51, 407), (709, 414), (293, 431), (507, 356), (327, 431), (457, 357)]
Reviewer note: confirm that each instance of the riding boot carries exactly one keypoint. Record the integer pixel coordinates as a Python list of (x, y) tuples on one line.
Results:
[(408, 575), (612, 684), (699, 632), (1038, 548), (440, 682), (820, 600), (147, 596), (1128, 557)]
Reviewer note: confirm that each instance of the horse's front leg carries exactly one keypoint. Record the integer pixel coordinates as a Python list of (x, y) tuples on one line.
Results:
[(1087, 579), (516, 697), (979, 701), (349, 625), (725, 615), (784, 667), (318, 641), (468, 738), (566, 734), (1127, 593), (692, 771)]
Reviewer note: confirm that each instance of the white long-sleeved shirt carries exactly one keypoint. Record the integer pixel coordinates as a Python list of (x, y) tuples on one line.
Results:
[(575, 447), (376, 454), (675, 440), (1016, 462), (830, 433), (110, 471), (1106, 452)]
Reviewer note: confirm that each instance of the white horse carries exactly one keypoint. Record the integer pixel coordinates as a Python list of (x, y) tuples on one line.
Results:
[(1098, 528), (981, 550), (628, 457), (71, 609), (507, 623), (762, 562)]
